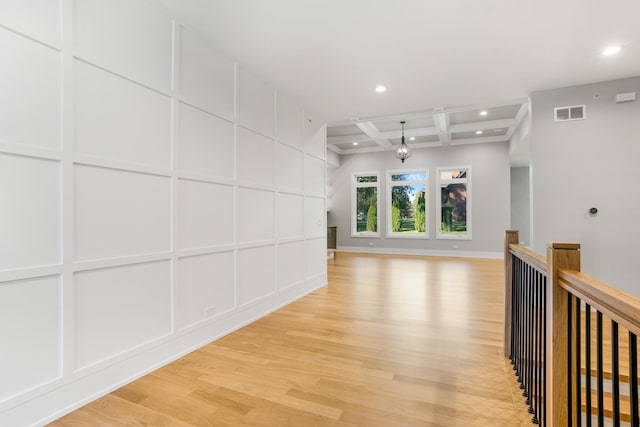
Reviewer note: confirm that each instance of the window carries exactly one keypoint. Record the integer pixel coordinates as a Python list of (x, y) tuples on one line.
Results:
[(454, 203), (407, 204), (364, 204)]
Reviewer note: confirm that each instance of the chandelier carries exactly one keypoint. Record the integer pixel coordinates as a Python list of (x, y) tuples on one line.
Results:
[(403, 151)]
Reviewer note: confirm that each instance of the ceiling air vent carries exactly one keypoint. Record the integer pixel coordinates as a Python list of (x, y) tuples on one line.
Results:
[(565, 114)]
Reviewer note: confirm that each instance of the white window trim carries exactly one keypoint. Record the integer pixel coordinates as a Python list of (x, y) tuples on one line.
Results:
[(439, 182), (390, 185), (354, 198)]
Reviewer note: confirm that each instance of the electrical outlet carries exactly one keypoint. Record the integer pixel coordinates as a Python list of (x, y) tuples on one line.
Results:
[(455, 246), (371, 243), (209, 311)]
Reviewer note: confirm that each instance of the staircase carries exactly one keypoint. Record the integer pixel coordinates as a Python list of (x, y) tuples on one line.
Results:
[(607, 401), (572, 339)]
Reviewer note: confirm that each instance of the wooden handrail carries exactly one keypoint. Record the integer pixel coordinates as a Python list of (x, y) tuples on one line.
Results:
[(616, 304), (530, 257)]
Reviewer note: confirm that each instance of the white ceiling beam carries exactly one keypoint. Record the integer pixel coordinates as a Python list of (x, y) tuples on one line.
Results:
[(483, 125), (466, 141), (382, 135), (524, 109), (366, 150), (373, 133), (409, 132), (379, 149), (441, 121), (480, 140), (347, 138), (335, 149), (452, 109)]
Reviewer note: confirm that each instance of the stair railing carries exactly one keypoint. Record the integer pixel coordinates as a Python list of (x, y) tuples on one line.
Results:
[(548, 336)]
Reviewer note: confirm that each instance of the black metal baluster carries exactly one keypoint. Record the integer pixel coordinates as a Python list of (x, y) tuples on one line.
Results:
[(587, 351), (633, 378), (525, 335), (521, 349), (569, 367), (516, 359), (528, 393), (513, 306), (616, 374), (578, 366), (599, 368), (540, 347), (514, 312), (544, 352), (536, 359)]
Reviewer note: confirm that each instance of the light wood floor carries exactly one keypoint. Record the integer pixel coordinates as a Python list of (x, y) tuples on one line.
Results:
[(391, 341)]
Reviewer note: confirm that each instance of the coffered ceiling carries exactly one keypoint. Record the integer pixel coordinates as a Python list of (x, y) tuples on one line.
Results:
[(438, 127)]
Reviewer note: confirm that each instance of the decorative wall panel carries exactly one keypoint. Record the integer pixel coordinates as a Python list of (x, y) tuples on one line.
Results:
[(30, 217), (30, 338), (29, 105), (117, 309), (120, 213), (206, 284), (255, 273)]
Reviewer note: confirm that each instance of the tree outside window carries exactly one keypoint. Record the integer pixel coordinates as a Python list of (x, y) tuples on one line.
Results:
[(364, 221), (407, 202), (454, 203)]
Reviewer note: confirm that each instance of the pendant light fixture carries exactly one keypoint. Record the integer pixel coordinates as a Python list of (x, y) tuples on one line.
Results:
[(403, 151)]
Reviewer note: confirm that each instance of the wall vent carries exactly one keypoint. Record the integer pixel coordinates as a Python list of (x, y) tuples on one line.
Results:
[(574, 112)]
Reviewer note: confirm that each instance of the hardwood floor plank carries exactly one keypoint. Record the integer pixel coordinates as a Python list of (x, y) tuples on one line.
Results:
[(391, 341)]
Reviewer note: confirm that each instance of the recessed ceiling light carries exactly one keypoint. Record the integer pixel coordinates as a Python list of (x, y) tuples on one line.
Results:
[(478, 132), (413, 138), (355, 143), (611, 50), (381, 89), (483, 113)]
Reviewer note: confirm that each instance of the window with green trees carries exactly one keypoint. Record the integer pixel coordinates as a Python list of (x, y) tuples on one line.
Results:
[(407, 202), (454, 203), (364, 198)]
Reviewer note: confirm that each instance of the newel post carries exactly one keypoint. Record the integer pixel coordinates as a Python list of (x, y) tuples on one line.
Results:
[(510, 236), (560, 256)]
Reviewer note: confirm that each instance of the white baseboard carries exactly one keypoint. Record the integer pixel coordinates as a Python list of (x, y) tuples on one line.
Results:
[(55, 403), (421, 252)]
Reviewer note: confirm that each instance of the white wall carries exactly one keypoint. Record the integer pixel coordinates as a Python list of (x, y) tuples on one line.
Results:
[(143, 180), (521, 203), (490, 199), (520, 143), (589, 163)]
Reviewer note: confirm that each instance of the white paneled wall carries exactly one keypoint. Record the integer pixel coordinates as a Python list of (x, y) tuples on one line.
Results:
[(120, 120), (23, 120), (207, 79), (28, 338), (30, 214), (203, 137), (155, 196), (109, 303), (206, 286)]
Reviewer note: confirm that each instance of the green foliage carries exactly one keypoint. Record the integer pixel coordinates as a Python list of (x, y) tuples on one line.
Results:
[(396, 217), (365, 197), (372, 218), (420, 223), (400, 195)]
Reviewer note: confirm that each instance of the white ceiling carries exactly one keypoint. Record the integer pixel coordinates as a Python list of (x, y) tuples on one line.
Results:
[(330, 54)]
